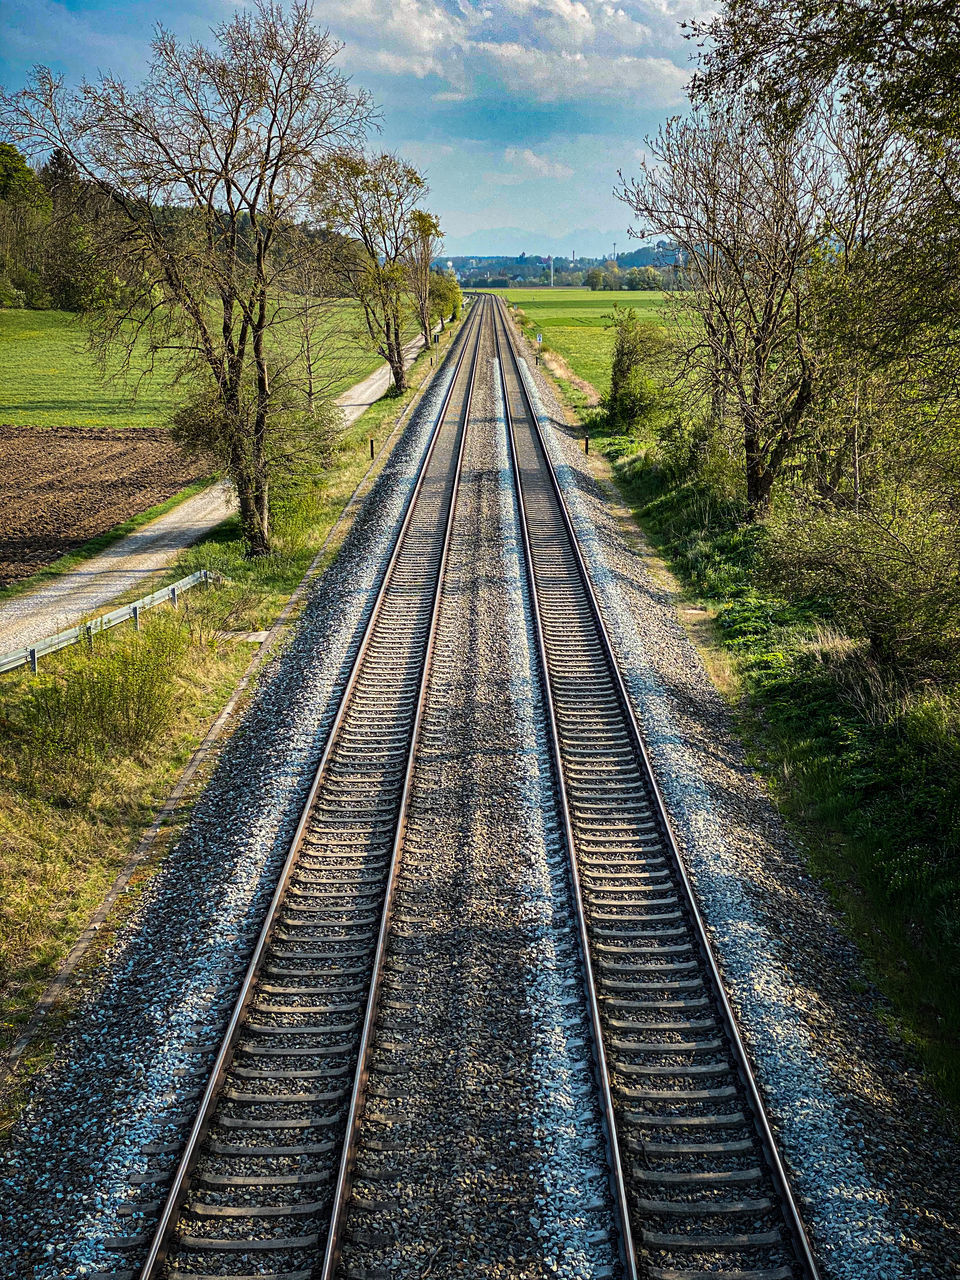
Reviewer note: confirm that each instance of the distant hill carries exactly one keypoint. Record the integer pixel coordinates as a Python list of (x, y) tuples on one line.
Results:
[(512, 241)]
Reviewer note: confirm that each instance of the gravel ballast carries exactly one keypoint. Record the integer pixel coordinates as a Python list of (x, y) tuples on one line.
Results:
[(876, 1172)]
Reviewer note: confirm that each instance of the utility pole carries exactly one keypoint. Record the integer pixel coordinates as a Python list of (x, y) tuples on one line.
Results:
[(550, 260)]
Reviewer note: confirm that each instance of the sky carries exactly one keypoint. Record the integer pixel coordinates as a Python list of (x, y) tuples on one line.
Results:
[(519, 113)]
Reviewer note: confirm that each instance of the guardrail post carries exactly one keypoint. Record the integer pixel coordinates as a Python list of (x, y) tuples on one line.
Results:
[(173, 596), (33, 661), (371, 448), (90, 636), (136, 617)]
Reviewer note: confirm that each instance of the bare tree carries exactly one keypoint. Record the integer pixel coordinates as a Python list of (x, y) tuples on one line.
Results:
[(738, 198), (372, 200), (425, 244), (206, 168)]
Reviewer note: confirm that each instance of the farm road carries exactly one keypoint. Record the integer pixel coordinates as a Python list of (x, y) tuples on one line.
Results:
[(92, 585), (361, 396), (95, 583)]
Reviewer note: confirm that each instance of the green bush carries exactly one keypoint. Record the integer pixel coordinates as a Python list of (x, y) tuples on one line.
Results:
[(11, 296), (890, 573), (637, 397)]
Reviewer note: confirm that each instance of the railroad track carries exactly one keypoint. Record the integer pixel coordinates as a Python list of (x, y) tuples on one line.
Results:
[(262, 1184), (265, 1169), (699, 1182)]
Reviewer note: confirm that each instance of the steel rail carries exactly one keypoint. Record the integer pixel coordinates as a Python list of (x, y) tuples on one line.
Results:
[(180, 1183), (794, 1222), (351, 1139), (616, 1177)]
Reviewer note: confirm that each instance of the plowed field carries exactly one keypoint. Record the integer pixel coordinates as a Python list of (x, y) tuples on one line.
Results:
[(62, 486)]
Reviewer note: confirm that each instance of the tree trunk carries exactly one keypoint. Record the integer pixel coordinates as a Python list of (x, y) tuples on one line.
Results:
[(395, 356), (254, 517), (759, 476)]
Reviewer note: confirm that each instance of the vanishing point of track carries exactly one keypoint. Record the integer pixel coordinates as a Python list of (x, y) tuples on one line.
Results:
[(264, 1175)]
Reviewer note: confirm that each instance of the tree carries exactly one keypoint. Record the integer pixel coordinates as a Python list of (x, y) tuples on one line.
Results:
[(903, 57), (205, 170), (372, 199), (637, 371), (425, 244), (612, 278), (739, 196), (445, 295), (24, 213), (594, 279)]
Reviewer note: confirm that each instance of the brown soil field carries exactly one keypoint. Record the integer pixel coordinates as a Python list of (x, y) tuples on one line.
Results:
[(62, 486)]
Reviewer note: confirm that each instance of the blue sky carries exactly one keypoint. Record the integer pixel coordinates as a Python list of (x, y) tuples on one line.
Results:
[(520, 112)]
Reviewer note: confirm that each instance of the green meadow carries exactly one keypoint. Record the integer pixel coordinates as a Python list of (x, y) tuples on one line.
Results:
[(48, 378), (574, 324)]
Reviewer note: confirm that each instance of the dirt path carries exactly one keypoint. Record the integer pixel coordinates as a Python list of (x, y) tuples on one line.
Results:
[(92, 585)]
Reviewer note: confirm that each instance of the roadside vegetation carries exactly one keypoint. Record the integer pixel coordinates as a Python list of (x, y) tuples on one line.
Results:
[(90, 747)]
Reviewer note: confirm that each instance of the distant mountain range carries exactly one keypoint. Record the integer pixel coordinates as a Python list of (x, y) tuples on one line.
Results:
[(512, 241)]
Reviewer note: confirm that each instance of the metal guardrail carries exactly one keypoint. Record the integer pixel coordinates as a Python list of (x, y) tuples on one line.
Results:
[(87, 630)]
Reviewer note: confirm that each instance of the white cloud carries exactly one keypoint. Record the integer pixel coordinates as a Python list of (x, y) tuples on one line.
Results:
[(550, 51), (539, 166)]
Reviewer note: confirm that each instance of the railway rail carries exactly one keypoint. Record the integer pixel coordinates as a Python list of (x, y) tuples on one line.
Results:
[(261, 1182), (699, 1180)]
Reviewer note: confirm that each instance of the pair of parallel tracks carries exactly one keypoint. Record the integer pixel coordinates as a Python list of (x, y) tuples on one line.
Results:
[(261, 1186)]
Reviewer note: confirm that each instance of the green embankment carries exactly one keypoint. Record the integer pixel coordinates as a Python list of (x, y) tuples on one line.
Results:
[(867, 772)]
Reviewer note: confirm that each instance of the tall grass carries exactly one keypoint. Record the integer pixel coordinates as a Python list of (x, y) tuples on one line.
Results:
[(115, 699)]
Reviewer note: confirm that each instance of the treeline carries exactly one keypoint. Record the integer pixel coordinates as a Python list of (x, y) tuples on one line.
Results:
[(799, 417), (211, 220), (46, 221), (610, 278)]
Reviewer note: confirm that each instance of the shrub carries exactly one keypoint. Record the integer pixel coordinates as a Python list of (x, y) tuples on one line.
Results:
[(637, 397), (890, 573)]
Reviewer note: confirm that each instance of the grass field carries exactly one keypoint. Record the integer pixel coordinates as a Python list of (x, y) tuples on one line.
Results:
[(573, 323), (48, 378)]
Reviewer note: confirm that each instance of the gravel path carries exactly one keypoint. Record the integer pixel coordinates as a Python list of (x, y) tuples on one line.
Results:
[(876, 1169), (94, 583), (481, 1148), (119, 1070), (358, 398)]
